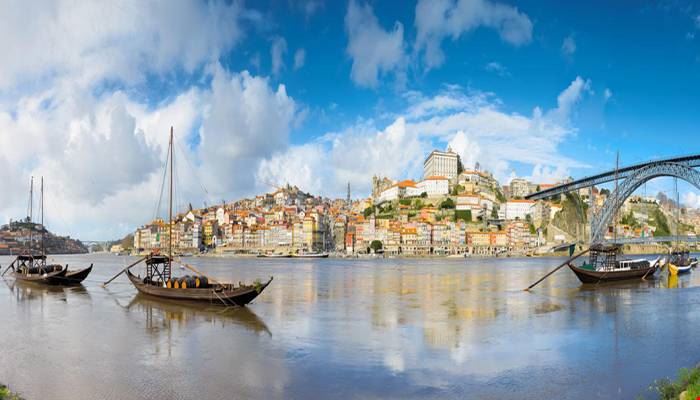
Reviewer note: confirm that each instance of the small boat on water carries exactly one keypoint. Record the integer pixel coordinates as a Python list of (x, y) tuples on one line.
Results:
[(30, 267), (603, 265), (680, 262), (198, 288), (274, 255), (310, 255), (159, 282)]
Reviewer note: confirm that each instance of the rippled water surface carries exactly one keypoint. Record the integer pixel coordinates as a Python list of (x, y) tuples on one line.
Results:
[(351, 329)]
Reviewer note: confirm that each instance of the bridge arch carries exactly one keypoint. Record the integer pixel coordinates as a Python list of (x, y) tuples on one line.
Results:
[(604, 216)]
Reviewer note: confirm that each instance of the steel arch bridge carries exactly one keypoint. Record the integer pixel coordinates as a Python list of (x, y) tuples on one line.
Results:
[(633, 177)]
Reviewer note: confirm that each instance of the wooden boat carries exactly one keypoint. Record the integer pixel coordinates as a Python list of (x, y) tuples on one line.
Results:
[(274, 255), (215, 293), (680, 262), (31, 267), (603, 266), (310, 255), (159, 282)]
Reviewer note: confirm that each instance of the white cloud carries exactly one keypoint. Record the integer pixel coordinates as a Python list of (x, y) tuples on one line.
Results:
[(691, 200), (374, 51), (497, 68), (101, 155), (472, 124), (439, 19), (277, 52), (607, 95), (568, 46), (92, 41), (299, 58)]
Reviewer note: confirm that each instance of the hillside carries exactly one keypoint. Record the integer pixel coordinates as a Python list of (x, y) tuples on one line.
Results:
[(16, 237)]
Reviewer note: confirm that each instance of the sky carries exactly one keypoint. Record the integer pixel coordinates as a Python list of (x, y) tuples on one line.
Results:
[(320, 94)]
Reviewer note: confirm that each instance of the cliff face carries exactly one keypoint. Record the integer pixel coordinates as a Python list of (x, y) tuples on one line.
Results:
[(20, 236)]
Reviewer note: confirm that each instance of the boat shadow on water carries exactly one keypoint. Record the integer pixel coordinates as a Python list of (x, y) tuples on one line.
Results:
[(189, 312)]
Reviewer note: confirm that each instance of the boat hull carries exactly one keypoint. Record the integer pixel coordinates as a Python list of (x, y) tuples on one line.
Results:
[(679, 269), (310, 256), (52, 278), (229, 297), (588, 276), (76, 277)]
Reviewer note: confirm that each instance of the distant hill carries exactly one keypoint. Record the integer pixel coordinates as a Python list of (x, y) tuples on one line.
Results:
[(16, 237)]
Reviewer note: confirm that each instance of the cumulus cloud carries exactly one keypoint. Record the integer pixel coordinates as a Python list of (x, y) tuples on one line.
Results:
[(568, 46), (299, 58), (473, 124), (92, 41), (437, 20), (101, 155), (374, 51)]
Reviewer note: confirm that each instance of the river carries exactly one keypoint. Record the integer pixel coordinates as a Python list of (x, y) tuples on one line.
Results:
[(350, 329)]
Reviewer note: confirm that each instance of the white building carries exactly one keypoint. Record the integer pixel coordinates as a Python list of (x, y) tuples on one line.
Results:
[(441, 163), (434, 186), (399, 190), (519, 187), (516, 209)]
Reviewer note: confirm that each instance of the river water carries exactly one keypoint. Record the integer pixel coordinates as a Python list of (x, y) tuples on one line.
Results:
[(351, 329)]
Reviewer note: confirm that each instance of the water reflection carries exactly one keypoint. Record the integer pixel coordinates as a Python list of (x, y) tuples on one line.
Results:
[(161, 314), (27, 291), (355, 329)]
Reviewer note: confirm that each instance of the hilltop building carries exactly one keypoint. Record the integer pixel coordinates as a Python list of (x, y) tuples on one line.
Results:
[(441, 163)]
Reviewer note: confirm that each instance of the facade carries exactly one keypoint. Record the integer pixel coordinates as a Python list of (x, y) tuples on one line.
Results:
[(516, 209), (434, 186), (519, 188), (441, 163)]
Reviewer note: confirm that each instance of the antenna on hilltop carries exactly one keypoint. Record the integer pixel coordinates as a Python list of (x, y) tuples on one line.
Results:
[(348, 199)]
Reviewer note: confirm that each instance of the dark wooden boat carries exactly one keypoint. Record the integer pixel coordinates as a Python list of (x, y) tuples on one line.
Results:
[(33, 268), (311, 255), (159, 282), (274, 255), (603, 266), (30, 267), (222, 294)]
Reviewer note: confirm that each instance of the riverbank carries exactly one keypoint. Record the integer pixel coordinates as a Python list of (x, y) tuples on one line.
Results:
[(5, 394), (685, 387)]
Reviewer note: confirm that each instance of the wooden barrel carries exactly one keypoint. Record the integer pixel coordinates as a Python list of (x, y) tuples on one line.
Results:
[(176, 283), (169, 284), (201, 282)]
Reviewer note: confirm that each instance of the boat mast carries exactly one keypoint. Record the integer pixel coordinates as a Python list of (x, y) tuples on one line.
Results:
[(31, 216), (170, 217), (43, 248)]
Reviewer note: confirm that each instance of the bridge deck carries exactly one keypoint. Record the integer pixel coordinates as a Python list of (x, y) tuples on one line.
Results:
[(622, 173)]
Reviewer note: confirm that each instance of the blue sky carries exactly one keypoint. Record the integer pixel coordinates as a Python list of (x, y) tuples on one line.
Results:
[(319, 94)]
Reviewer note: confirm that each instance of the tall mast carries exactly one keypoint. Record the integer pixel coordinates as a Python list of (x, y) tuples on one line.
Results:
[(170, 223), (43, 248), (31, 216)]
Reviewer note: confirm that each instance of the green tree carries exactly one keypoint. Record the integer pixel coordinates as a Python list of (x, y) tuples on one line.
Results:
[(424, 195), (368, 211), (465, 215), (405, 202), (457, 189), (494, 211), (605, 192), (376, 245), (448, 203)]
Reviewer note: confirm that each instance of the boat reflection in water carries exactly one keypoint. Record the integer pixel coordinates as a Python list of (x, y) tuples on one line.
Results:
[(161, 312), (26, 291)]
